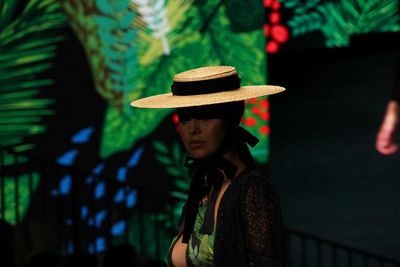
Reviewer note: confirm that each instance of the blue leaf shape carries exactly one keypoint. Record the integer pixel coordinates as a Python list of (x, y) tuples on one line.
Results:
[(99, 190), (118, 228), (82, 136), (68, 158), (122, 173), (134, 160), (119, 196), (65, 185), (100, 244), (84, 212), (99, 168), (100, 218), (131, 199)]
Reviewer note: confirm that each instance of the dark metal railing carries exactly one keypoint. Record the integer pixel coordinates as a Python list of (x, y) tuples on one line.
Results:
[(308, 250), (148, 226)]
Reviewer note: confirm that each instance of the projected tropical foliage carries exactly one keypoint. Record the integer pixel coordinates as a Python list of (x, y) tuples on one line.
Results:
[(27, 44), (135, 48), (339, 20)]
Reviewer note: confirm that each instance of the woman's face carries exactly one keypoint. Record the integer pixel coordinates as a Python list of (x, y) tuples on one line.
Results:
[(202, 137)]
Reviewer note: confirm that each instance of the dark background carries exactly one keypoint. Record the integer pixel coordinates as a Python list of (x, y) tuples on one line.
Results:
[(332, 182)]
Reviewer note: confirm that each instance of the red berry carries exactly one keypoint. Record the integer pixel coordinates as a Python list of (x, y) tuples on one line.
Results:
[(264, 130), (280, 33), (272, 47)]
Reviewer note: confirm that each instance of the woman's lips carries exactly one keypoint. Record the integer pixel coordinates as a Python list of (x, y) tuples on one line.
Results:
[(196, 144)]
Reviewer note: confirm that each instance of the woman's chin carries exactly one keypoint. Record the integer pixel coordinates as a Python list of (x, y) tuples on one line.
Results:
[(198, 154)]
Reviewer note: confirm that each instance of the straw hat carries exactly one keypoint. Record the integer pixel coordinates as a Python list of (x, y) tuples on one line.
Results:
[(206, 86)]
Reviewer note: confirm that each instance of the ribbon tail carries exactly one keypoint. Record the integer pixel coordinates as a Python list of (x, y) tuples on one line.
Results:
[(208, 221), (192, 205), (247, 136)]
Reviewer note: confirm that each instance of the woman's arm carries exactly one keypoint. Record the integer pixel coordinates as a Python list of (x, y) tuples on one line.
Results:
[(385, 139)]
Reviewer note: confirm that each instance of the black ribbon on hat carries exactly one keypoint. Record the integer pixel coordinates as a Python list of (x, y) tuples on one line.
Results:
[(207, 175), (222, 84)]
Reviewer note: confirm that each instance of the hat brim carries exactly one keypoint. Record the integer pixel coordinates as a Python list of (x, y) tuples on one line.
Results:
[(169, 100)]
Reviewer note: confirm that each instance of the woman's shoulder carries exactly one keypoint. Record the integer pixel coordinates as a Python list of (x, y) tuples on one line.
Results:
[(252, 178), (251, 186)]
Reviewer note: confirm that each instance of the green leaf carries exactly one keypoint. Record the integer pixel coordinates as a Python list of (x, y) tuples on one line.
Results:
[(164, 160), (23, 195), (160, 147), (173, 171), (176, 152), (181, 184), (6, 12), (245, 16), (121, 132)]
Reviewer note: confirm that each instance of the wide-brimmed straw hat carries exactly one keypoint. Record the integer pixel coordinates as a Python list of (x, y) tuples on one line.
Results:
[(206, 86)]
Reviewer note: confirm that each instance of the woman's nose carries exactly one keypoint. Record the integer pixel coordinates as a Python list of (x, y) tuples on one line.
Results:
[(194, 126)]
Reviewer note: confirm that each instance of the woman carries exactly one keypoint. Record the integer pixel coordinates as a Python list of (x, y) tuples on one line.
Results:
[(232, 216)]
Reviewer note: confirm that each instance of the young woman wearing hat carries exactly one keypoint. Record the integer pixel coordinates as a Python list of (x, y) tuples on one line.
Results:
[(232, 215)]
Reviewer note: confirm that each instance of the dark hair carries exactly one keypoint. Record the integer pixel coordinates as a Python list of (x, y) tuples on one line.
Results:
[(244, 152), (233, 134)]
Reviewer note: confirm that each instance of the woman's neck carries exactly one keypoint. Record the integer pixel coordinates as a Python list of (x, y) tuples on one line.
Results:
[(233, 157)]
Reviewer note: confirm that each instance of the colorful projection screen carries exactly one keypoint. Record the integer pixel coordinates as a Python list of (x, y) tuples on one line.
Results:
[(69, 69)]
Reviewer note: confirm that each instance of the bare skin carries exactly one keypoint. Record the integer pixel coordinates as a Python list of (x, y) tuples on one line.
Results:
[(385, 139)]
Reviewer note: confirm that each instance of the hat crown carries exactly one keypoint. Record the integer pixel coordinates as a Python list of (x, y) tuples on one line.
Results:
[(205, 73)]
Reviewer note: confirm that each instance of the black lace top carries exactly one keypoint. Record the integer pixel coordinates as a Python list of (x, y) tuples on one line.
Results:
[(249, 229)]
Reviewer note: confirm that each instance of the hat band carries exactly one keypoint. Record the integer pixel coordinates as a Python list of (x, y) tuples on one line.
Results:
[(217, 85)]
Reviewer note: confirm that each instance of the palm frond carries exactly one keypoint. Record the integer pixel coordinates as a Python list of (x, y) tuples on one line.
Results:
[(6, 12), (339, 20), (27, 44)]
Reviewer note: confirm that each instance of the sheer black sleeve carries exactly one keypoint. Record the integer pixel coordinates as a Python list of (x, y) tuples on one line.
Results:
[(263, 227)]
